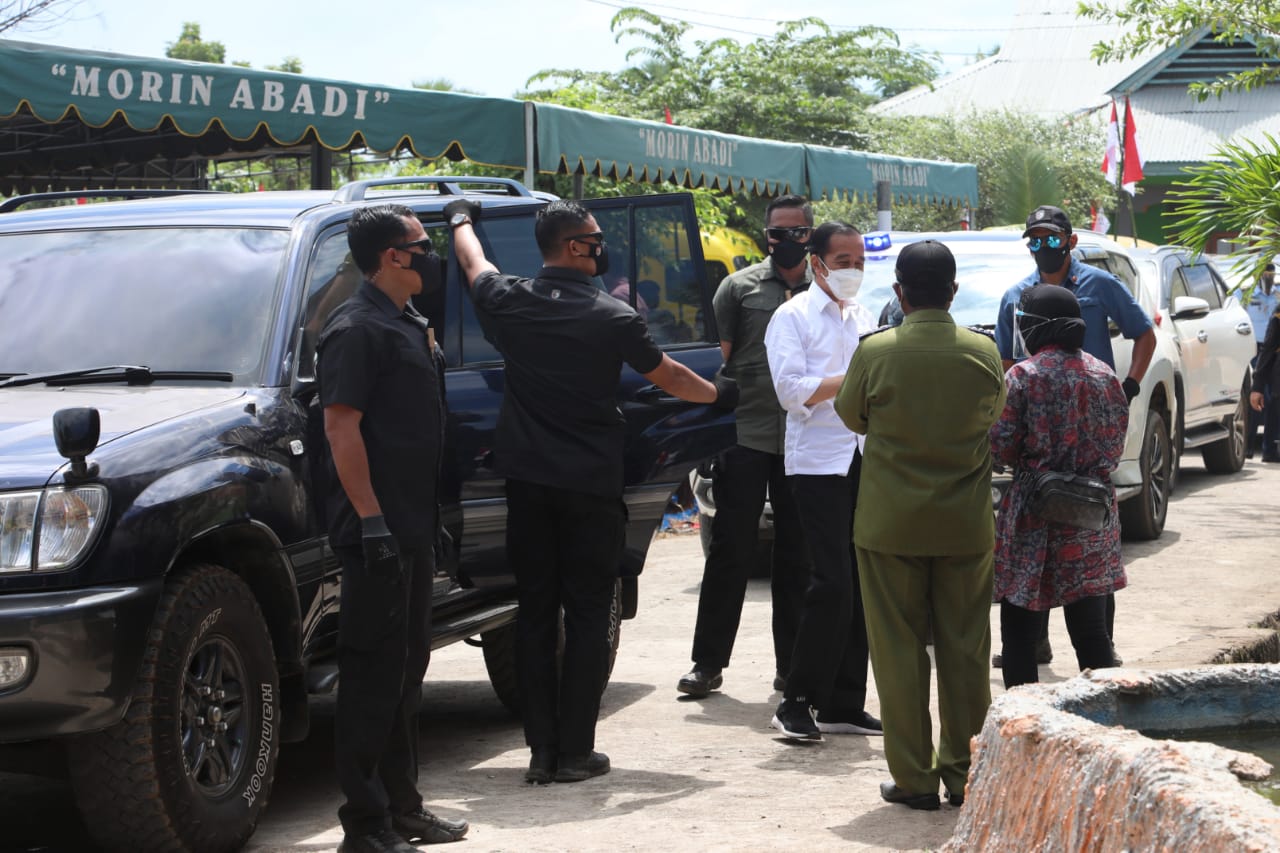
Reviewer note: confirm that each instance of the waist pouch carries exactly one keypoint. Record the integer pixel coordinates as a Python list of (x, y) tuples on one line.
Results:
[(1071, 499)]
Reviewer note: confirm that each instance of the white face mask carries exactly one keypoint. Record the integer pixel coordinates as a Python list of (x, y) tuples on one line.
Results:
[(844, 284)]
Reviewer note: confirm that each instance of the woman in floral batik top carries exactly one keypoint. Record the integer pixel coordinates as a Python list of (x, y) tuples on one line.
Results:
[(1066, 412)]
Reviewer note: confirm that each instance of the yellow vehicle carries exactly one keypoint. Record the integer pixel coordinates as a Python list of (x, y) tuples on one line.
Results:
[(664, 295)]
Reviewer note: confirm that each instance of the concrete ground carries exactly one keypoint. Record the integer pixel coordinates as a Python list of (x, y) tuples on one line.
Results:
[(711, 775)]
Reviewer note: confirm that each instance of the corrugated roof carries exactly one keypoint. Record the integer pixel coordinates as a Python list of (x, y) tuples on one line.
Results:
[(1044, 69), (1174, 129)]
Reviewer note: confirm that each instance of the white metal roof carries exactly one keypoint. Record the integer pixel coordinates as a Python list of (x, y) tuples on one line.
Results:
[(1044, 68)]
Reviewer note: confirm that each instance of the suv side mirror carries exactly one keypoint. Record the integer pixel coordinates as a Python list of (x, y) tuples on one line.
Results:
[(1185, 307), (75, 432)]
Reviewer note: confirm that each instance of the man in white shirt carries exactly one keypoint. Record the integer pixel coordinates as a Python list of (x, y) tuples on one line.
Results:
[(809, 342)]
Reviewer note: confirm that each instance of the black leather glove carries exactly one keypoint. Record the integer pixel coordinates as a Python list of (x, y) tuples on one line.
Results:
[(1131, 388), (381, 550), (462, 205), (726, 392)]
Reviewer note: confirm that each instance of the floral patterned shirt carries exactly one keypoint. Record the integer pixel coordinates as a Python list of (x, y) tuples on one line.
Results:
[(1067, 412)]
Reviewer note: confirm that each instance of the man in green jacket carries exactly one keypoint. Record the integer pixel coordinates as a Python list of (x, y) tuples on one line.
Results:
[(925, 394)]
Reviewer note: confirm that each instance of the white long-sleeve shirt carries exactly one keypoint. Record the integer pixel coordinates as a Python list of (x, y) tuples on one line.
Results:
[(811, 337)]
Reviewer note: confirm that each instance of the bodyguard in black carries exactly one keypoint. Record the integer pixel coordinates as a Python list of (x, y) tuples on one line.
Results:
[(383, 416), (559, 443)]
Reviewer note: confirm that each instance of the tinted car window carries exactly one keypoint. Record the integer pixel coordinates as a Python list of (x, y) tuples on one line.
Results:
[(508, 242), (1198, 282), (167, 298)]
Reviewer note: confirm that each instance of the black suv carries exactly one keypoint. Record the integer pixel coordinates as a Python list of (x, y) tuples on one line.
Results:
[(168, 599)]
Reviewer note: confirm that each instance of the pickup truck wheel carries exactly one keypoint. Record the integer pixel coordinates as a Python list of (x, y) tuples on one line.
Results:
[(1142, 516), (499, 646), (190, 766), (1227, 455)]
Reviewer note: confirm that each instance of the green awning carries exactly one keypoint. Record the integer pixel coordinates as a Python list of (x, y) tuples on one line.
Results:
[(839, 172), (572, 140), (54, 82)]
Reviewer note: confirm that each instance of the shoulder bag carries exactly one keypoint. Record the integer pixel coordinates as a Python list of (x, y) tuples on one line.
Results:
[(1070, 499)]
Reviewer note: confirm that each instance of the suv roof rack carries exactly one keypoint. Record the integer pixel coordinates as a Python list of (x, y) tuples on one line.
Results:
[(358, 190), (18, 201)]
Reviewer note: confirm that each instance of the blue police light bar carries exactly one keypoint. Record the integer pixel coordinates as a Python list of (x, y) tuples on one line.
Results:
[(876, 241)]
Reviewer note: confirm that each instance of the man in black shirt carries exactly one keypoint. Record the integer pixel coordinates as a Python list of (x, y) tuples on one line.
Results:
[(559, 443), (383, 418)]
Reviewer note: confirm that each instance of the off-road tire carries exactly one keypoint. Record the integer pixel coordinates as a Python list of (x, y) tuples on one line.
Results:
[(1227, 456), (499, 647), (208, 663), (1143, 515)]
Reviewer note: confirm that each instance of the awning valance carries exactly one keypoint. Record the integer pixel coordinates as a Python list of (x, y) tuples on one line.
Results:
[(54, 81), (575, 140), (839, 172)]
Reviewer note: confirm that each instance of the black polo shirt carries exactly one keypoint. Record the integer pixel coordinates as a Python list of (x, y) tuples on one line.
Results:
[(564, 341), (375, 358)]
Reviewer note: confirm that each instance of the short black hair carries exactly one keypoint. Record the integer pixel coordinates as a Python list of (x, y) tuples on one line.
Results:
[(371, 230), (789, 200), (820, 241), (558, 220)]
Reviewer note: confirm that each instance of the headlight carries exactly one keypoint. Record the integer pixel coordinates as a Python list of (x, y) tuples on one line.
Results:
[(56, 526)]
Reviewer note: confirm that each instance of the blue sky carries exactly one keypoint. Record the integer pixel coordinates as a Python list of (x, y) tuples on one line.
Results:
[(488, 46)]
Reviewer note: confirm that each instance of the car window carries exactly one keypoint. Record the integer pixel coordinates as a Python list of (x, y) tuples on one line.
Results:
[(199, 299), (1198, 281), (509, 244), (332, 276)]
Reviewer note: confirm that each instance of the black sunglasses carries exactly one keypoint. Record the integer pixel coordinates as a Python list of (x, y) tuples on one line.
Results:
[(800, 232), (585, 238), (425, 244)]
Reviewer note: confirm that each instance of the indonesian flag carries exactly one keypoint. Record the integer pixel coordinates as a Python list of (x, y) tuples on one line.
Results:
[(1100, 222), (667, 115), (1132, 157), (1111, 159)]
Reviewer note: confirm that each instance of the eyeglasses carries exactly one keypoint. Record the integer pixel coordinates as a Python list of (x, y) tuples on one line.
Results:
[(1053, 241), (592, 236), (424, 244), (800, 232)]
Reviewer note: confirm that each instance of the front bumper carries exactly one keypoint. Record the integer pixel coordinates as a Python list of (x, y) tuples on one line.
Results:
[(85, 648)]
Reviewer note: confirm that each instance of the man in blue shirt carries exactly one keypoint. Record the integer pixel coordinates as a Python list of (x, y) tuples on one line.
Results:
[(1102, 298), (1262, 304)]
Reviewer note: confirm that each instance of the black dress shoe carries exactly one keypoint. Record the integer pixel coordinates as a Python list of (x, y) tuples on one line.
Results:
[(956, 800), (576, 768), (422, 825), (382, 841), (542, 766), (700, 682), (891, 793)]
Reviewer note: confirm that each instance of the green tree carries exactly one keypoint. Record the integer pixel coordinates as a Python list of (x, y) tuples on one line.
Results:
[(1022, 161), (288, 65), (1167, 23), (191, 47), (806, 83), (1235, 193), (1235, 190)]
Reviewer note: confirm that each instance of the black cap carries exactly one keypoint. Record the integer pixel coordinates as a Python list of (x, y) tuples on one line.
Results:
[(925, 264), (1269, 268), (1049, 217)]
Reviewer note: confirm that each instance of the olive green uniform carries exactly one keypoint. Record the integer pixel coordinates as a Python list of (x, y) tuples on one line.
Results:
[(925, 394)]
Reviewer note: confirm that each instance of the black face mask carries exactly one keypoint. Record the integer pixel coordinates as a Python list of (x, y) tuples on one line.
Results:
[(788, 254), (601, 254), (428, 269), (1049, 261)]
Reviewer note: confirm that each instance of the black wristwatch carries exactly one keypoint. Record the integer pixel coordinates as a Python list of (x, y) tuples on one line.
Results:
[(459, 219)]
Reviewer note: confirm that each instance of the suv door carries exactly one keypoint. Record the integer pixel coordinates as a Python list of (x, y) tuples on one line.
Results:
[(1193, 331)]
